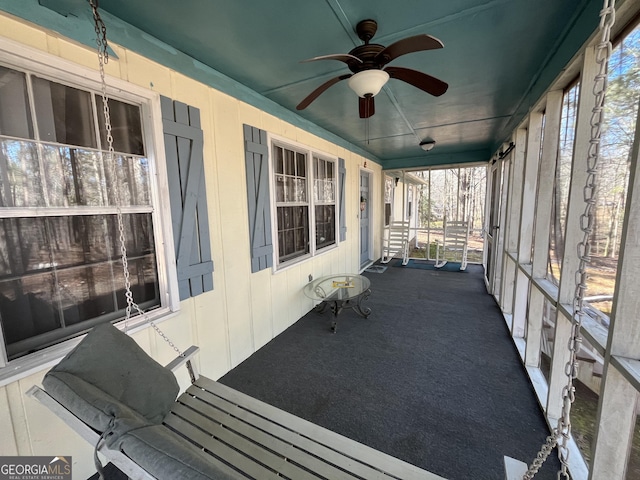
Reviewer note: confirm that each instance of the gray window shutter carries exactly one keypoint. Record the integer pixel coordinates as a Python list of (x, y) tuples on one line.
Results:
[(258, 198), (342, 175), (185, 171)]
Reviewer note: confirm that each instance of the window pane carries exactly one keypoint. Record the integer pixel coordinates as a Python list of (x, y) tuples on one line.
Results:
[(388, 189), (300, 189), (289, 189), (293, 236), (64, 114), (324, 184), (278, 160), (584, 409), (144, 282), (561, 185), (325, 225), (59, 272), (74, 177), (301, 169), (549, 316), (280, 195), (126, 126), (86, 292), (138, 232), (20, 184), (28, 308), (289, 162), (15, 114), (330, 190), (131, 183), (388, 194), (620, 114)]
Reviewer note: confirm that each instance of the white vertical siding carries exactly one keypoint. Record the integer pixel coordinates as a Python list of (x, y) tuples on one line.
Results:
[(245, 310)]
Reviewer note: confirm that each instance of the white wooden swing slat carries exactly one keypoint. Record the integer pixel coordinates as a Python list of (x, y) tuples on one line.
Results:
[(314, 447)]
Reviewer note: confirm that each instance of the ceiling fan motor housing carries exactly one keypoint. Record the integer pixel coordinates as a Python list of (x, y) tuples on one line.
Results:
[(366, 30), (367, 53)]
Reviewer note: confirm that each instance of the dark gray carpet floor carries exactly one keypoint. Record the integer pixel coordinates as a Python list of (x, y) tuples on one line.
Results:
[(430, 377)]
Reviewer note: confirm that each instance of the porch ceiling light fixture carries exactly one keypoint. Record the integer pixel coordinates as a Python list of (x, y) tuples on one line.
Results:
[(427, 145), (368, 82)]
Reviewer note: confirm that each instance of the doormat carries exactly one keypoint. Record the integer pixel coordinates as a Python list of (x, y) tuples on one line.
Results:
[(426, 265), (375, 269)]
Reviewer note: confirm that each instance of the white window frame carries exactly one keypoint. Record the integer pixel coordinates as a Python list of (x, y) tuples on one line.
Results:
[(45, 65), (392, 194), (409, 202), (275, 140)]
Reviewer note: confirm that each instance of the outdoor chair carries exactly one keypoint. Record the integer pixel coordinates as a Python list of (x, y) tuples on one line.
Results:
[(396, 242), (453, 246)]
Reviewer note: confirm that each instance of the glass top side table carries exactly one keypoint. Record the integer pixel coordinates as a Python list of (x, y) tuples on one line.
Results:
[(339, 292)]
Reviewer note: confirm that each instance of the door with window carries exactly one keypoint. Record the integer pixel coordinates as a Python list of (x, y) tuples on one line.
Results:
[(365, 220)]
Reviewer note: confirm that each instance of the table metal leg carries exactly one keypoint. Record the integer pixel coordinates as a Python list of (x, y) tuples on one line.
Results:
[(336, 308), (364, 311)]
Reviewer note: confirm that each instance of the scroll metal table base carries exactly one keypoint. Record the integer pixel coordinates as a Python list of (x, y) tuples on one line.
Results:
[(337, 305)]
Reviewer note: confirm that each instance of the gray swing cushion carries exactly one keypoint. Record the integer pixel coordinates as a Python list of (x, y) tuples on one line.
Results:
[(166, 455), (107, 376)]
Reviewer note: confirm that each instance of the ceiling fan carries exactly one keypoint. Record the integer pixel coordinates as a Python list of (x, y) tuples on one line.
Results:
[(368, 64)]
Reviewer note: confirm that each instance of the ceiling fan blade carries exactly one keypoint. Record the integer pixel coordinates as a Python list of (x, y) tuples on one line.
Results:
[(416, 43), (419, 80), (342, 57), (366, 106), (316, 93)]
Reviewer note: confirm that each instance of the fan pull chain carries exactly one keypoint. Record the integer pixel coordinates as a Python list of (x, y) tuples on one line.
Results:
[(103, 59), (562, 433)]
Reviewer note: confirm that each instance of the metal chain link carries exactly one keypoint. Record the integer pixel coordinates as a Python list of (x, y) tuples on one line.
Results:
[(562, 433), (103, 59)]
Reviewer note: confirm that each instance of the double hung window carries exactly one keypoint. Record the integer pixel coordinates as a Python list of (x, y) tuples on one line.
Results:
[(60, 270), (305, 194)]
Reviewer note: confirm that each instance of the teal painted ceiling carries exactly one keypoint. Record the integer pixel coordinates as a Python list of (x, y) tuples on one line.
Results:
[(498, 57)]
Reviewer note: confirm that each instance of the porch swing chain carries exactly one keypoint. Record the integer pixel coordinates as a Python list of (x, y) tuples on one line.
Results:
[(562, 433), (103, 59)]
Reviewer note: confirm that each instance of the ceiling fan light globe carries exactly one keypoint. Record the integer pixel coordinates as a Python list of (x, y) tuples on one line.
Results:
[(368, 82)]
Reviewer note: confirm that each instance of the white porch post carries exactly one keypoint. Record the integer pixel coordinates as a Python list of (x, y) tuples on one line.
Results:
[(544, 203), (527, 217)]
